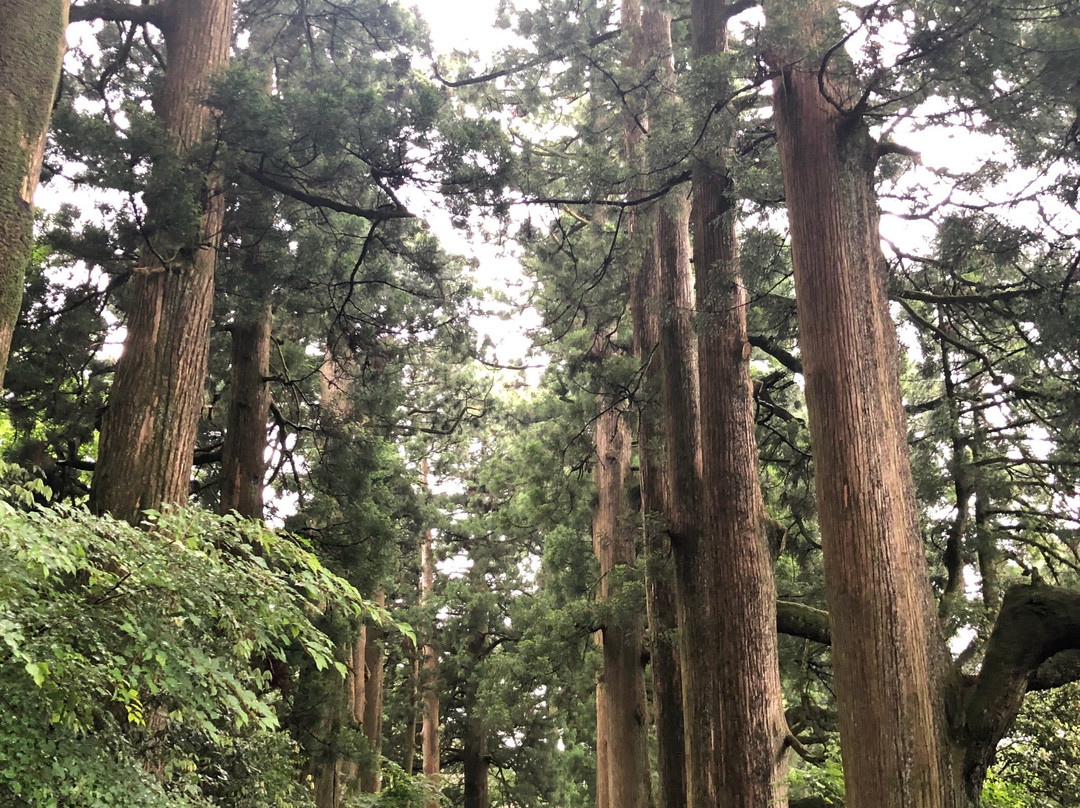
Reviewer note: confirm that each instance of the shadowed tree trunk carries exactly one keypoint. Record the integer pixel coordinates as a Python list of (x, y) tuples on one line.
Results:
[(243, 455), (622, 745), (731, 685), (649, 33), (374, 666), (149, 427), (31, 49), (474, 752)]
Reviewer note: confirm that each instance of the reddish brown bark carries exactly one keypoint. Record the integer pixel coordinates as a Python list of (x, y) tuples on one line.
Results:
[(641, 54), (243, 463), (31, 48), (429, 731), (623, 767), (884, 635), (149, 427)]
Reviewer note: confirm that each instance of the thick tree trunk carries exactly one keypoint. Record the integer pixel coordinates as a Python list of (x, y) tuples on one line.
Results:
[(623, 773), (724, 562), (887, 651), (243, 455), (149, 427), (31, 49)]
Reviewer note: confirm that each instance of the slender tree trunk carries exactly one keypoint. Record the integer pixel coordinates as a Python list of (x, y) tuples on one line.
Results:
[(650, 38), (429, 673), (243, 455), (475, 761), (31, 48), (409, 761), (621, 712), (149, 427), (603, 742), (887, 651), (333, 774), (372, 718)]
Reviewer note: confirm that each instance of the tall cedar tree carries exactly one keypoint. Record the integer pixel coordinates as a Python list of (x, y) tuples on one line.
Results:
[(149, 427), (622, 771), (650, 61), (913, 732), (31, 48), (723, 564)]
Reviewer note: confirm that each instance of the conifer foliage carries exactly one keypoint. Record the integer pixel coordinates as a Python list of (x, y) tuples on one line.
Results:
[(780, 507)]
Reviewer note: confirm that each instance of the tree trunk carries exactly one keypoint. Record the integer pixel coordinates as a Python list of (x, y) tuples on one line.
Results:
[(243, 455), (716, 516), (149, 427), (429, 674), (31, 48), (475, 761), (623, 773), (409, 741), (374, 665), (650, 37), (887, 652)]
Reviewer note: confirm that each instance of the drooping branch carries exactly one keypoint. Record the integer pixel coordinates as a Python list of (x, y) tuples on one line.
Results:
[(110, 11), (379, 214)]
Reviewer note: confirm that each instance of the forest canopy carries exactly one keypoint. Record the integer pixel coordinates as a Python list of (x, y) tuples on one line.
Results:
[(777, 505)]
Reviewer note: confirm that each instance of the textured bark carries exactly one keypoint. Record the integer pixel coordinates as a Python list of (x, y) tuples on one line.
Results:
[(243, 455), (736, 594), (623, 772), (1036, 623), (31, 49), (603, 742), (149, 427), (887, 653), (659, 591), (681, 466)]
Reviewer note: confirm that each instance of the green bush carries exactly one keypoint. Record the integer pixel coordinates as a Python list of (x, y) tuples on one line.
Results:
[(135, 663)]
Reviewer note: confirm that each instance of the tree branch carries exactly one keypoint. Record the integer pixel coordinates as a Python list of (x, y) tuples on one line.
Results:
[(800, 620), (961, 300), (111, 11), (379, 214), (1036, 623), (788, 360)]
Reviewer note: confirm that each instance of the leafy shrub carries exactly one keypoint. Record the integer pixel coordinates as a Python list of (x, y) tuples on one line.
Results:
[(135, 663)]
